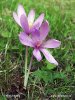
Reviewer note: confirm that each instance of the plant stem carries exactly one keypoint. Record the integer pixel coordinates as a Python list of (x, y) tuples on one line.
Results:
[(29, 66), (27, 70), (25, 74)]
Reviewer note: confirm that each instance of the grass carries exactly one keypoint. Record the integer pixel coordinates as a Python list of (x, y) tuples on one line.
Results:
[(61, 16)]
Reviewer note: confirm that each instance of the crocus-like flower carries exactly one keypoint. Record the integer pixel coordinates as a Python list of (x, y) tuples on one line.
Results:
[(38, 42), (27, 22)]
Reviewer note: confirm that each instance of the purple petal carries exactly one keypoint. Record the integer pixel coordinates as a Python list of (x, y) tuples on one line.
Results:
[(31, 17), (51, 43), (25, 39), (36, 35), (49, 57), (16, 18), (37, 54), (24, 23), (44, 29), (39, 21), (20, 11)]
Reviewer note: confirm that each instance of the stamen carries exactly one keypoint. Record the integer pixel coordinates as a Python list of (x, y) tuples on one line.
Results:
[(38, 44)]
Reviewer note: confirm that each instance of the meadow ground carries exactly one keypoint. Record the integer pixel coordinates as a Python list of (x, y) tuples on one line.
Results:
[(45, 79)]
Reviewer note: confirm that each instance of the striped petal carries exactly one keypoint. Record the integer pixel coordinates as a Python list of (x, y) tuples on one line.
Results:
[(37, 54), (24, 23), (38, 21), (51, 43), (20, 11), (25, 39), (31, 16), (16, 18), (44, 29), (49, 57)]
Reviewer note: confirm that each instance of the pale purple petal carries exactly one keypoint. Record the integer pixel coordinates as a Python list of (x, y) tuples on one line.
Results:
[(31, 16), (20, 11), (16, 18), (51, 43), (38, 21), (44, 29), (37, 54), (36, 35), (25, 39), (24, 23), (49, 57)]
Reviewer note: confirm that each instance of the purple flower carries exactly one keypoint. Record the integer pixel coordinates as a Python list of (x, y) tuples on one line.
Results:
[(27, 22), (38, 42)]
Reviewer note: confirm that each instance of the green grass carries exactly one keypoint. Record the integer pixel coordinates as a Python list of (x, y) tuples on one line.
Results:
[(61, 17)]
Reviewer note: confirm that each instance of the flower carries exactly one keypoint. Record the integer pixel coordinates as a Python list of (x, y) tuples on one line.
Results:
[(38, 42), (27, 22)]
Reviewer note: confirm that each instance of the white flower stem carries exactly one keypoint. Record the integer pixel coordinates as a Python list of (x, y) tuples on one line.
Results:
[(29, 67), (25, 74), (27, 70)]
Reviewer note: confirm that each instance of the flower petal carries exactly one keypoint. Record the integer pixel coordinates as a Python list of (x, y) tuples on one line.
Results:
[(51, 43), (24, 23), (37, 54), (25, 39), (20, 11), (31, 16), (16, 18), (44, 29), (39, 21), (36, 35), (49, 57)]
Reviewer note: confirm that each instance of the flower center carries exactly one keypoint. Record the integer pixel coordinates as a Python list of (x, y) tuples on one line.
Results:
[(38, 44), (30, 24)]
